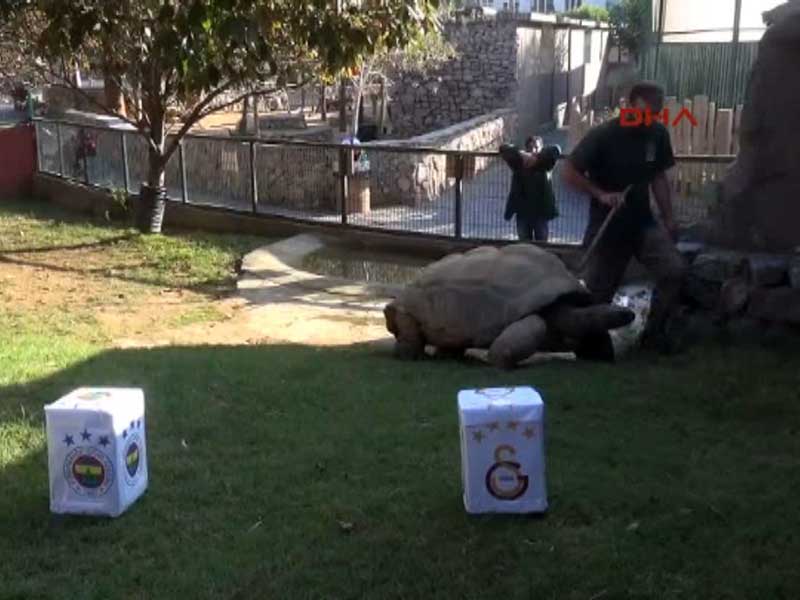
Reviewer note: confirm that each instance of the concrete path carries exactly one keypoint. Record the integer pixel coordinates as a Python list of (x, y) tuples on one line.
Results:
[(290, 305)]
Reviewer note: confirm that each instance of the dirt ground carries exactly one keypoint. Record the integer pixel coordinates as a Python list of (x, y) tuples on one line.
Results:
[(130, 314)]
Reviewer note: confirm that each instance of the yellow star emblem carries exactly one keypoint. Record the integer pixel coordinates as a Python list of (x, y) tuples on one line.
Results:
[(478, 436), (512, 425), (529, 432), (494, 426)]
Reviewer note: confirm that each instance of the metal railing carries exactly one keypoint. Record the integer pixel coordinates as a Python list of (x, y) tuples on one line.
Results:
[(402, 189)]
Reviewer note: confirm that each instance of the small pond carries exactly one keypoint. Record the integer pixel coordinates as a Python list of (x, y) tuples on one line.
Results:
[(364, 265)]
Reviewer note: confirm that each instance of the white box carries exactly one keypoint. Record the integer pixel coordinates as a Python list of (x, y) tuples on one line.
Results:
[(96, 451), (502, 450)]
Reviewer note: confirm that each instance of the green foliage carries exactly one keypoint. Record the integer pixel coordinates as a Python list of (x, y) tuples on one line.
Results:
[(591, 13), (632, 23), (192, 53)]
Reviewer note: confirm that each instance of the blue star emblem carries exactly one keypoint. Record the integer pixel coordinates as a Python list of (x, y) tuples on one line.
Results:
[(104, 440), (68, 440), (85, 435)]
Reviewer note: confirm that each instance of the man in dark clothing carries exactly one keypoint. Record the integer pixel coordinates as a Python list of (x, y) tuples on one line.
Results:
[(531, 196), (611, 158)]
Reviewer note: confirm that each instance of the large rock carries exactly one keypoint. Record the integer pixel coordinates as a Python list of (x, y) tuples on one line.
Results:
[(794, 272), (733, 297), (780, 305), (690, 250), (706, 275), (761, 193), (766, 270)]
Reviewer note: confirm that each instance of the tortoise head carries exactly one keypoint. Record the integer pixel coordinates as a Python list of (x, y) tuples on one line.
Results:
[(390, 314)]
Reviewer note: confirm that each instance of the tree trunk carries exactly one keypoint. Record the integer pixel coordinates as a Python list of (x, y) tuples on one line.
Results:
[(153, 194), (323, 107), (382, 113), (342, 106), (113, 95), (256, 117), (359, 92), (245, 113)]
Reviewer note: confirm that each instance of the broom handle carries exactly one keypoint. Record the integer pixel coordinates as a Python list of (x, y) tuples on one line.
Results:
[(601, 231)]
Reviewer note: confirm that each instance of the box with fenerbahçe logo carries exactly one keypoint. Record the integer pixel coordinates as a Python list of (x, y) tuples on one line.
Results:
[(502, 450), (96, 451)]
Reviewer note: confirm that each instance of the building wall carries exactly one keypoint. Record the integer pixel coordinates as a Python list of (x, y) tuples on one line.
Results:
[(420, 178), (18, 149), (690, 15), (500, 64)]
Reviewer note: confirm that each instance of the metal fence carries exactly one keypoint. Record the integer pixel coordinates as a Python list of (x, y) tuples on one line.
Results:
[(448, 193)]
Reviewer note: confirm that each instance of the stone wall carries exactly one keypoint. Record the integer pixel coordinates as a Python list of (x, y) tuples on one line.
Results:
[(414, 179), (498, 64), (59, 100), (481, 78)]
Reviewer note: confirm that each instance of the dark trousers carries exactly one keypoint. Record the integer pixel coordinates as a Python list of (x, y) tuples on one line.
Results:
[(531, 228), (657, 252)]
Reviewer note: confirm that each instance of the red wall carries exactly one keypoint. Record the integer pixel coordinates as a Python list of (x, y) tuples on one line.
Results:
[(17, 160)]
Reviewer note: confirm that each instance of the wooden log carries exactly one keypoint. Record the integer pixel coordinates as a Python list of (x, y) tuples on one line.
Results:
[(685, 147), (699, 134), (737, 124), (672, 107), (723, 142), (709, 172)]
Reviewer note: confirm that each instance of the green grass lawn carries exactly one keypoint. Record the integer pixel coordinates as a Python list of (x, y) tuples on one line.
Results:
[(191, 260), (300, 472)]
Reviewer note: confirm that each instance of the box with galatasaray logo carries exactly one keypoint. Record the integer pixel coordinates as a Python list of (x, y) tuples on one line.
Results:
[(502, 450), (96, 451)]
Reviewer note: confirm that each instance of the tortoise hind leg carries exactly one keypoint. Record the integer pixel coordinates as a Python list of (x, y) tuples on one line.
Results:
[(518, 341)]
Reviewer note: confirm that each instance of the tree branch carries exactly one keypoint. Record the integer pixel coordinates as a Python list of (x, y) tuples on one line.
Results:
[(68, 84), (192, 118), (259, 92)]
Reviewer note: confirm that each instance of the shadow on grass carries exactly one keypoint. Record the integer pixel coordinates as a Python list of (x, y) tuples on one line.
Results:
[(297, 472), (56, 247)]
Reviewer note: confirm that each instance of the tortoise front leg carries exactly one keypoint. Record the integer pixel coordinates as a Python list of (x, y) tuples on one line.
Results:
[(410, 344), (518, 341)]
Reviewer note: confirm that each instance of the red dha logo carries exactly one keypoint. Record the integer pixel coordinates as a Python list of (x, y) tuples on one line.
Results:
[(634, 117)]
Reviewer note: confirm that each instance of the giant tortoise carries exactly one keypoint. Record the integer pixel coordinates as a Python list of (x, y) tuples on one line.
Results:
[(514, 301)]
